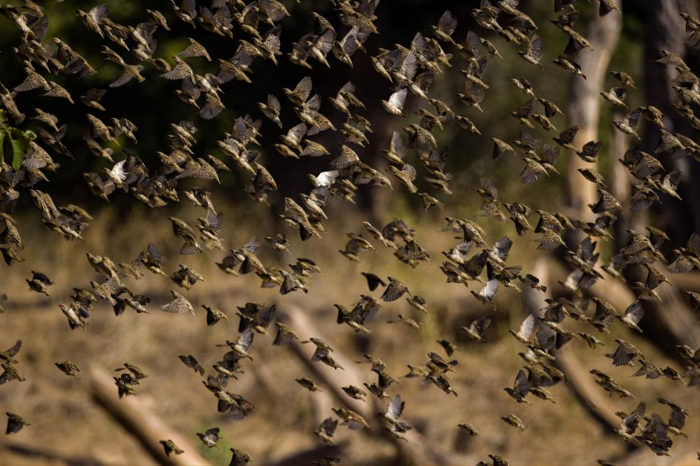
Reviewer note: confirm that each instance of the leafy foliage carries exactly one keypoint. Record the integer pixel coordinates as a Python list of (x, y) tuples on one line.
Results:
[(14, 142)]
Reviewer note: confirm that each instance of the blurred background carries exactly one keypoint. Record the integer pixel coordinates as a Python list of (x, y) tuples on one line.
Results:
[(69, 427)]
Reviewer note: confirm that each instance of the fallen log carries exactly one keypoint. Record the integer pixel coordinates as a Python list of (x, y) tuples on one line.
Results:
[(414, 450), (141, 423)]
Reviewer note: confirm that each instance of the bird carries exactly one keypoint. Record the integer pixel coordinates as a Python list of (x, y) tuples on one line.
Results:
[(239, 458), (694, 299), (406, 175), (473, 95), (396, 102), (373, 281), (195, 49), (624, 78), (501, 148), (625, 353), (8, 355), (186, 277), (256, 316), (391, 416), (15, 423), (178, 305), (354, 392), (686, 258), (616, 96), (210, 437), (513, 420), (498, 460), (125, 385), (469, 429), (285, 335), (75, 313), (183, 230), (214, 315), (170, 448), (414, 149), (352, 419), (418, 302), (445, 28), (191, 362), (591, 340), (487, 293), (633, 315), (301, 92), (69, 369), (39, 283), (46, 118), (589, 151), (407, 321), (322, 353), (476, 328), (308, 384), (272, 109), (135, 371), (394, 290), (326, 430), (240, 347), (521, 387), (534, 52), (628, 124)]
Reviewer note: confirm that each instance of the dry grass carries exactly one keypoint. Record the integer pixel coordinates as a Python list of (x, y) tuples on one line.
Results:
[(64, 420)]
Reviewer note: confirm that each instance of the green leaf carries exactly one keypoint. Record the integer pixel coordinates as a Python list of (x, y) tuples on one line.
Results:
[(2, 140), (19, 145), (4, 136)]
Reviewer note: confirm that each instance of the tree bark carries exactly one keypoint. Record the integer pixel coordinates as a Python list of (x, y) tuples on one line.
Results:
[(620, 184), (667, 32), (671, 322), (584, 105)]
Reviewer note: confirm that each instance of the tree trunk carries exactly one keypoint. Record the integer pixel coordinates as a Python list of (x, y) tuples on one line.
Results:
[(667, 32), (671, 322), (584, 105)]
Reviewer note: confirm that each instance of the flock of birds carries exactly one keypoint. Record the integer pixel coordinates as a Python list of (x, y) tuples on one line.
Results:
[(411, 71)]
